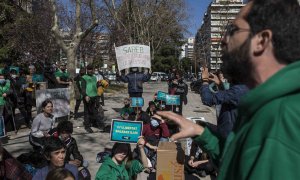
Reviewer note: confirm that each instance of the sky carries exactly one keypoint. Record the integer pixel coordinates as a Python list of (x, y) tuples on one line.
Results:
[(195, 10)]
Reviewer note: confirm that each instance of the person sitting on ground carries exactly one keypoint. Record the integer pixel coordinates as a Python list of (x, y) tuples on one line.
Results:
[(41, 126), (121, 165), (55, 152), (60, 174), (151, 108), (126, 109), (139, 115), (155, 131), (10, 168), (65, 130), (199, 162)]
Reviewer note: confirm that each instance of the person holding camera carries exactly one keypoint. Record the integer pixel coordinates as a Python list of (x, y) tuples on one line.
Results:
[(228, 99)]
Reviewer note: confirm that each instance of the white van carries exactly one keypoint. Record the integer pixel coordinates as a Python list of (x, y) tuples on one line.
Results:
[(158, 76)]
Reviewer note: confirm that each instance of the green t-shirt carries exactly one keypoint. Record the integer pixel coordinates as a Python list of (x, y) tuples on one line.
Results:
[(91, 85), (64, 76)]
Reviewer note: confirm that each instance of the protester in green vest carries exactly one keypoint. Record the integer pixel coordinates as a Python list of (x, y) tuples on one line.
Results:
[(91, 100)]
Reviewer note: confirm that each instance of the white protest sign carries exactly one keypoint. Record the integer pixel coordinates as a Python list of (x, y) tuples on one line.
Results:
[(133, 55)]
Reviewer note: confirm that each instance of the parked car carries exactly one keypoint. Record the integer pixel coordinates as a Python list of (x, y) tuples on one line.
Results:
[(165, 77), (111, 76), (158, 76)]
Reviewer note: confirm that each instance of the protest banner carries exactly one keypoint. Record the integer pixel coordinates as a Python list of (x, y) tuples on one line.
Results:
[(161, 96), (133, 55), (2, 127), (137, 102), (60, 98), (125, 131), (172, 100)]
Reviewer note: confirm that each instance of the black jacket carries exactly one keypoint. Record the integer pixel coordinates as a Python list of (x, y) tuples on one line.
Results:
[(135, 81), (72, 149)]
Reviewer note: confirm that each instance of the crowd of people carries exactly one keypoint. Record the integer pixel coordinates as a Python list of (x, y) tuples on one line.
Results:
[(256, 136)]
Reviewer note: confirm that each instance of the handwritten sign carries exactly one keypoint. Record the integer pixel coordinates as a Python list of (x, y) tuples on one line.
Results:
[(161, 96), (60, 98), (133, 55), (137, 102), (172, 99), (125, 131)]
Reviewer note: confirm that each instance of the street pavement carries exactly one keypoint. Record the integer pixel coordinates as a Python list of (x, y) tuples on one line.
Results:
[(91, 143)]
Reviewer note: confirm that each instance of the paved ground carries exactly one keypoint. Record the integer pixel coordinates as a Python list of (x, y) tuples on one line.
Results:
[(91, 144)]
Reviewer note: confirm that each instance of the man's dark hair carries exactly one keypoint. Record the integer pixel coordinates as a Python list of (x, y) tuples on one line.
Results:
[(65, 126), (282, 17), (52, 144), (90, 67), (120, 147)]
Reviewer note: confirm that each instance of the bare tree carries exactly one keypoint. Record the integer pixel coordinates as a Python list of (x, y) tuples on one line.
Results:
[(70, 48), (145, 21)]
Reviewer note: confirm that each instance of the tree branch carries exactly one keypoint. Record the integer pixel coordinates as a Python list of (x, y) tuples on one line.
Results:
[(55, 28)]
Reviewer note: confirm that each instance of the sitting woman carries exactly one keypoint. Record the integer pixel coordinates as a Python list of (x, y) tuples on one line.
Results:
[(41, 126), (152, 108), (121, 165), (199, 162)]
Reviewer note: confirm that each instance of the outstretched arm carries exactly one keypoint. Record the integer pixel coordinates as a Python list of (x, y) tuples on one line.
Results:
[(201, 135)]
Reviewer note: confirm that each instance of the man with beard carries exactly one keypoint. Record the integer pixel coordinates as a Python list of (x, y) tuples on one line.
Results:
[(90, 100), (263, 42), (62, 76), (228, 99)]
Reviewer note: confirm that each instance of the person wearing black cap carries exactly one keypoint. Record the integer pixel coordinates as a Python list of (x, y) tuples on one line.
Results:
[(90, 100)]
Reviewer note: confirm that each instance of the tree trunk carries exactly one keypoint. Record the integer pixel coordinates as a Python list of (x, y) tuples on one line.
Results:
[(71, 55)]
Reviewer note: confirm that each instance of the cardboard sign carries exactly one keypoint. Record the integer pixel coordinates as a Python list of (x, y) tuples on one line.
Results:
[(125, 131), (161, 96), (133, 55), (137, 102), (172, 99), (170, 161), (2, 127), (60, 98)]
